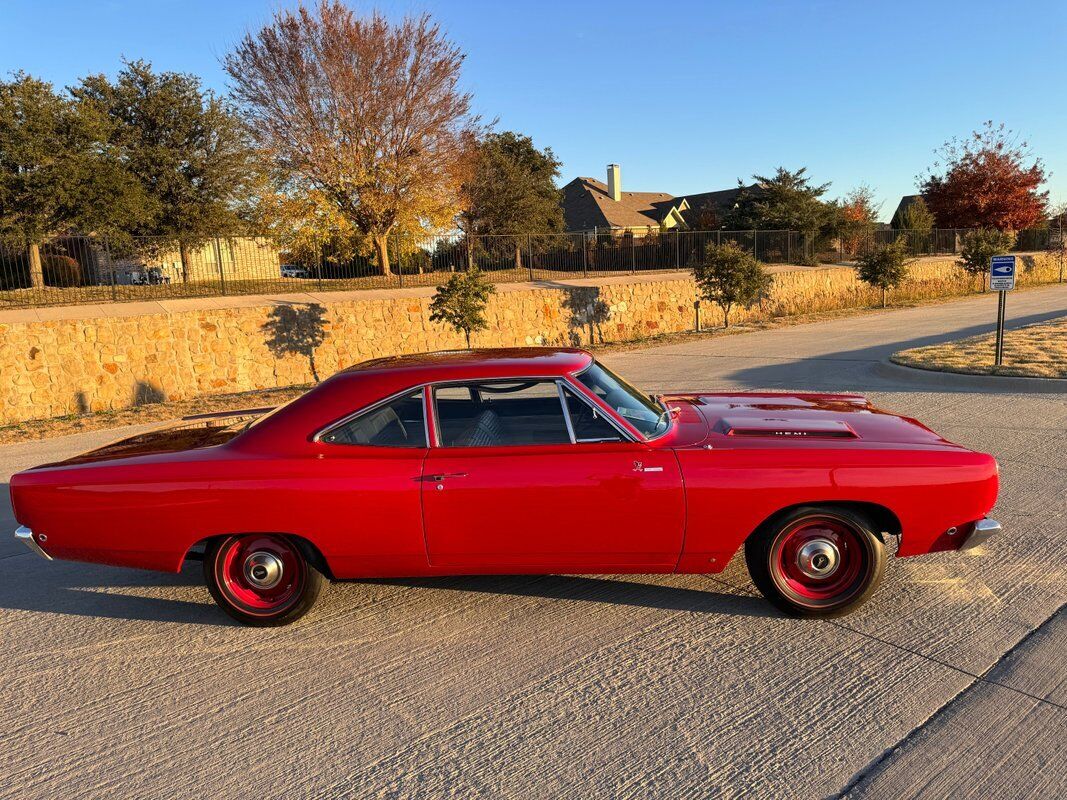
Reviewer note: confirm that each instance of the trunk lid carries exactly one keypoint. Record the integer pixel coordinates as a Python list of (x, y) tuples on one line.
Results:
[(192, 433)]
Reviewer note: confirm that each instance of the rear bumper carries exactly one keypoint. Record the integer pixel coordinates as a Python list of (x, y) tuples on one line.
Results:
[(25, 535), (983, 531)]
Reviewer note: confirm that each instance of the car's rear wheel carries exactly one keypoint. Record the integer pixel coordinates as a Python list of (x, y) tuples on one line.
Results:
[(261, 579), (816, 562)]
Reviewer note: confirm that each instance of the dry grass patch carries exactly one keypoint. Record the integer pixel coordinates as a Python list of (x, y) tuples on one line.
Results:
[(1035, 351)]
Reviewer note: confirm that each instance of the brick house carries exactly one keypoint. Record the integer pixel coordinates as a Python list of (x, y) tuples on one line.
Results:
[(592, 205)]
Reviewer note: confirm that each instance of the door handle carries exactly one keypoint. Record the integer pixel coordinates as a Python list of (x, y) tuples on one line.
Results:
[(640, 467), (443, 475)]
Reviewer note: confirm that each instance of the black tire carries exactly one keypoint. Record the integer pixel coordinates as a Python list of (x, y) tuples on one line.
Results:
[(230, 580), (784, 555)]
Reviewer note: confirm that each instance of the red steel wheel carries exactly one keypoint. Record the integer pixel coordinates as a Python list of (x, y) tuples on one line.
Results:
[(261, 579), (816, 562)]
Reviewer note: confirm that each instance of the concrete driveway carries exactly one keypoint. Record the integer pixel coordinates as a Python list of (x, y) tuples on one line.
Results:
[(951, 682)]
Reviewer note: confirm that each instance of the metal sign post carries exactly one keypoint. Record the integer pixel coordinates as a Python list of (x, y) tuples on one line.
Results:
[(1002, 280)]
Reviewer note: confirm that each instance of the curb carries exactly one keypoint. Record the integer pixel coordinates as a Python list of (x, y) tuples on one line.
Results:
[(941, 380)]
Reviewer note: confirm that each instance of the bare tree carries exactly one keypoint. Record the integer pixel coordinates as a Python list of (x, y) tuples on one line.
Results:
[(365, 111)]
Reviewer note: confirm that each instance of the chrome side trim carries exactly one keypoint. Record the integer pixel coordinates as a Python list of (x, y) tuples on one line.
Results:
[(984, 530), (25, 535)]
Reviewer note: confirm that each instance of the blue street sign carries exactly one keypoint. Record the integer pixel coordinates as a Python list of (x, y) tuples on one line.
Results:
[(1002, 273)]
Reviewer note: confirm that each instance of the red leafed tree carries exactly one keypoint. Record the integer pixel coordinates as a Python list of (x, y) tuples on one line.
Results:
[(986, 181)]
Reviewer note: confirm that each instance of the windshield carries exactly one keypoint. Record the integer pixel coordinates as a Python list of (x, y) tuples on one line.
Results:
[(634, 405)]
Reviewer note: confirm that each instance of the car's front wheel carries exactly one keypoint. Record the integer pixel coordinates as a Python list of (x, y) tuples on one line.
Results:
[(261, 579), (816, 562)]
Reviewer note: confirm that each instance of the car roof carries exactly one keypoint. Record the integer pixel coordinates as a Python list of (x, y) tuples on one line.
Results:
[(478, 363), (363, 384)]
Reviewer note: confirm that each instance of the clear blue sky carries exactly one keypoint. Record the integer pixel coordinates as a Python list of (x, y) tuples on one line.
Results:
[(687, 99)]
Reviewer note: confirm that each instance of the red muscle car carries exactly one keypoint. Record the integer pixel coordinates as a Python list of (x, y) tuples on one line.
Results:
[(515, 461)]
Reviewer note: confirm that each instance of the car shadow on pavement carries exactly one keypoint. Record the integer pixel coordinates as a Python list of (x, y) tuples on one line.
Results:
[(92, 591), (869, 369), (612, 591)]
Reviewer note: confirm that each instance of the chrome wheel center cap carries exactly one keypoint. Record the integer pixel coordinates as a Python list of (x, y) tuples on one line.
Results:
[(263, 570), (818, 558)]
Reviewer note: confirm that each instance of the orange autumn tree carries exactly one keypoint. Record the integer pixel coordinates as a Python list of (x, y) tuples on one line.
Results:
[(859, 214), (365, 112), (989, 180)]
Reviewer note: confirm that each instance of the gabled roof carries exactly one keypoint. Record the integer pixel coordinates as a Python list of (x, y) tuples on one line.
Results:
[(906, 202), (587, 205)]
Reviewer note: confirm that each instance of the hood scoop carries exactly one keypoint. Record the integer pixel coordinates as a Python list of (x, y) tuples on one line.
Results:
[(778, 428)]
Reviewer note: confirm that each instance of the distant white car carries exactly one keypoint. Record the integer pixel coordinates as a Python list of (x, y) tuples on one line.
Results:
[(293, 271)]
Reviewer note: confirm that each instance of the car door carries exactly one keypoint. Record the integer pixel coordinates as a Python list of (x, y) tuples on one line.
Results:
[(362, 495), (511, 485)]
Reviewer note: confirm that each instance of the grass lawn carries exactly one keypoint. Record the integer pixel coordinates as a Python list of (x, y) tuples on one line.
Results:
[(1036, 351)]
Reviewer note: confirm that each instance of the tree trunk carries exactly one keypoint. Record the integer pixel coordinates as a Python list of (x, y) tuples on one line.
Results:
[(467, 334), (726, 316), (518, 255), (883, 297), (36, 270), (183, 253), (470, 254), (381, 250)]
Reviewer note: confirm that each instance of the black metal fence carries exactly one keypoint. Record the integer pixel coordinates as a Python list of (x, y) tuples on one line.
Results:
[(940, 241), (74, 270)]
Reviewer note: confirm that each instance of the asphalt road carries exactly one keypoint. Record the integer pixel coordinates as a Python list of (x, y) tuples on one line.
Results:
[(952, 681)]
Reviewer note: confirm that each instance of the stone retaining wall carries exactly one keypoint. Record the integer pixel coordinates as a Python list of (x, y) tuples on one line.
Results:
[(61, 361)]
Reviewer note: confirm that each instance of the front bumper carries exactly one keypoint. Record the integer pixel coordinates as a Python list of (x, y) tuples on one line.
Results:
[(983, 531), (25, 535)]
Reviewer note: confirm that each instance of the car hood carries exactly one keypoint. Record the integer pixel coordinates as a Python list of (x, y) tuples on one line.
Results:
[(765, 417)]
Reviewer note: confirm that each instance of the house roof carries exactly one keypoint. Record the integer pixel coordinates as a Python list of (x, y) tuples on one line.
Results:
[(587, 205), (906, 202)]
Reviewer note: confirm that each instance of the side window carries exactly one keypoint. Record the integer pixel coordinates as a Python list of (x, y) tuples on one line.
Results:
[(588, 422), (401, 423), (500, 413)]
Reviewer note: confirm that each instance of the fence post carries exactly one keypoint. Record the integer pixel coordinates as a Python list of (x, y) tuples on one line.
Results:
[(111, 268), (633, 255), (1063, 250), (529, 256), (218, 262), (585, 266), (677, 238), (754, 245), (318, 266), (399, 263)]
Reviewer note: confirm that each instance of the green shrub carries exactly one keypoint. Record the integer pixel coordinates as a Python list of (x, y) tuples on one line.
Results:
[(981, 245), (461, 302), (885, 266), (729, 276)]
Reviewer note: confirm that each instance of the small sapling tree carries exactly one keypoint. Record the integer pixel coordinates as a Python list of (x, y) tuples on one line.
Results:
[(729, 276), (460, 303), (885, 267)]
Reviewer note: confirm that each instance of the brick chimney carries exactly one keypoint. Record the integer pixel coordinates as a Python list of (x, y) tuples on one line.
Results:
[(614, 182)]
